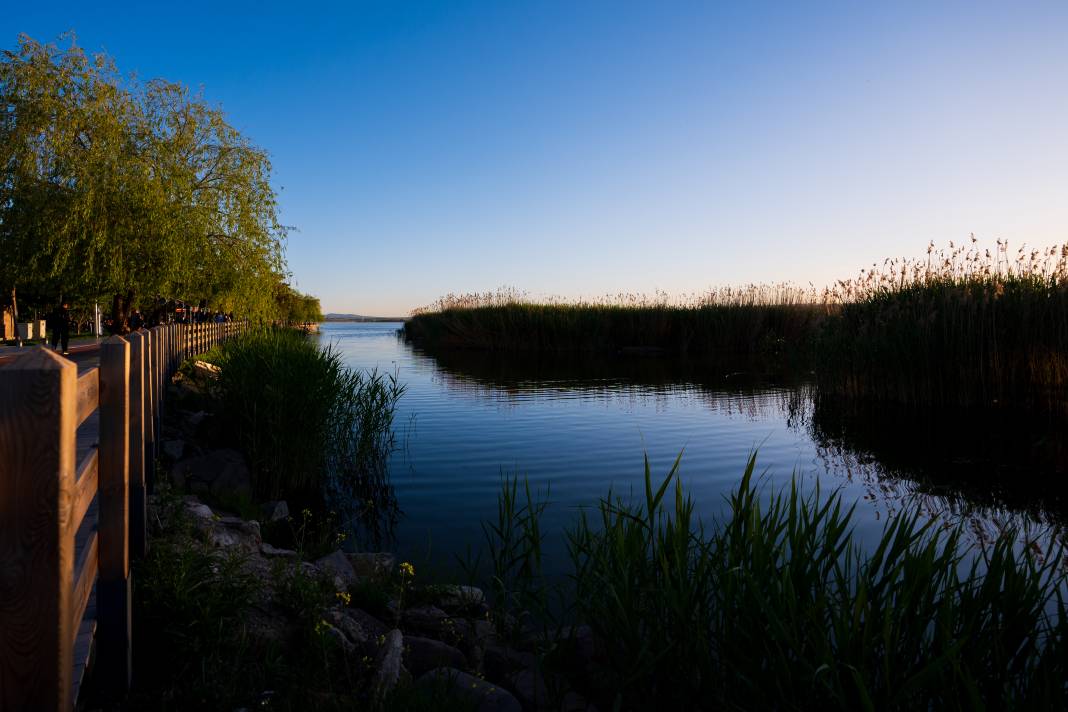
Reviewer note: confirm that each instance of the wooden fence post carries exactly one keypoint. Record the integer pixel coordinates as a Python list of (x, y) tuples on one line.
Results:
[(137, 445), (113, 587), (38, 412), (148, 345)]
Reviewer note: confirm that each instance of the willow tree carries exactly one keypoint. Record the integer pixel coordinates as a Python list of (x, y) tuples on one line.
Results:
[(111, 187)]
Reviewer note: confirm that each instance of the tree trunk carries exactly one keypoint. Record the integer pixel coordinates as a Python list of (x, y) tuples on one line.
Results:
[(120, 313), (15, 316)]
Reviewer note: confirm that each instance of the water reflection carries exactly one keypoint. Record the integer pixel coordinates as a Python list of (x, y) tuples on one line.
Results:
[(577, 425), (987, 469)]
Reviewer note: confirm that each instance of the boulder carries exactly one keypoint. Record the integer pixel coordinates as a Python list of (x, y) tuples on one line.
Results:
[(424, 654), (337, 566), (500, 663), (219, 473), (173, 449), (460, 597), (484, 696), (353, 629), (377, 565), (194, 420), (204, 371), (374, 627), (424, 619), (275, 510), (229, 532), (273, 552), (199, 510), (339, 638), (387, 665)]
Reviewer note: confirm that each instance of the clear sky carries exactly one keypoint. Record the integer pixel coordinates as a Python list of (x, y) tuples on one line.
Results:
[(586, 148)]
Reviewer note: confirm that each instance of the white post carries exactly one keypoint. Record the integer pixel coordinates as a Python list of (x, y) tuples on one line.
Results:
[(96, 321)]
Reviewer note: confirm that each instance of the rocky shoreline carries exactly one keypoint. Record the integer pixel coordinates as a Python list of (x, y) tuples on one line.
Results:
[(441, 637)]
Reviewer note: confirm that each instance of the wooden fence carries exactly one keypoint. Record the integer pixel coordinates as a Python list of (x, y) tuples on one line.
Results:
[(70, 526)]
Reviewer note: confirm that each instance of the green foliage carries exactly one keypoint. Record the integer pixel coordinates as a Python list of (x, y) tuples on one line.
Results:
[(296, 308), (190, 608), (112, 186), (778, 607), (513, 544), (312, 428)]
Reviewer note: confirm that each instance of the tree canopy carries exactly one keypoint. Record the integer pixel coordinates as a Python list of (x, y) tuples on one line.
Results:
[(111, 186)]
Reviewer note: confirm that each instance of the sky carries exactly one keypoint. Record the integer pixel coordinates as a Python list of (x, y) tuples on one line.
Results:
[(579, 149)]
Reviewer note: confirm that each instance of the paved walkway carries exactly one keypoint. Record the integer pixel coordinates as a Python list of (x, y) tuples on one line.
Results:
[(10, 348)]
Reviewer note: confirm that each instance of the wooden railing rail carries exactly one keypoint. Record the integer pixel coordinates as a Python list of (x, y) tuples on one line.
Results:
[(69, 529)]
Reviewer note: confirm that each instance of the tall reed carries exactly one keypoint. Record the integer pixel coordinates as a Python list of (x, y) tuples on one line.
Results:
[(754, 322), (311, 427), (967, 327), (964, 327), (778, 606)]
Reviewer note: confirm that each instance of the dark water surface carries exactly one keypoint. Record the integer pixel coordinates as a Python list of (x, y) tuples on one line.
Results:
[(576, 427)]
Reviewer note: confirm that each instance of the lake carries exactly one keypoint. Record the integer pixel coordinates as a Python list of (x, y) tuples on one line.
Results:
[(577, 426)]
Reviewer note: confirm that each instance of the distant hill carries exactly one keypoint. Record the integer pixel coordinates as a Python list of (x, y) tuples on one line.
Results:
[(359, 317)]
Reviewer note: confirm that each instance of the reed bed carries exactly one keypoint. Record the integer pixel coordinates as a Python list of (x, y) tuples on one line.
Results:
[(778, 607), (755, 322), (965, 326), (313, 429)]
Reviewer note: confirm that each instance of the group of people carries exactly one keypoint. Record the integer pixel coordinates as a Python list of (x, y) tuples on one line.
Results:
[(162, 312)]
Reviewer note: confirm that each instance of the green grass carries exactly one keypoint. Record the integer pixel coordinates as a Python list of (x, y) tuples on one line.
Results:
[(777, 606), (313, 429)]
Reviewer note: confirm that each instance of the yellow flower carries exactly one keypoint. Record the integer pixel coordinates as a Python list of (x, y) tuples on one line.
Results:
[(344, 597), (407, 569)]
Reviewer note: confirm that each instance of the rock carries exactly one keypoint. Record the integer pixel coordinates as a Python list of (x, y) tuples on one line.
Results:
[(195, 419), (174, 449), (217, 472), (425, 619), (574, 702), (485, 696), (536, 691), (499, 663), (351, 627), (200, 510), (227, 532), (206, 371), (372, 565), (337, 565), (457, 597), (374, 627), (388, 665), (424, 654), (275, 510), (339, 638), (273, 552)]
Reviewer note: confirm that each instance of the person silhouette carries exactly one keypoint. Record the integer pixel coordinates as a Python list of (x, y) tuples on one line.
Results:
[(61, 327)]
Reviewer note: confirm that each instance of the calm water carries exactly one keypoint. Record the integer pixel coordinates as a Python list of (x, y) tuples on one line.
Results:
[(575, 428)]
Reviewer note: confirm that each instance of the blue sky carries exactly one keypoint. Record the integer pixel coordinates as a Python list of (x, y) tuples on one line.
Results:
[(587, 148)]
